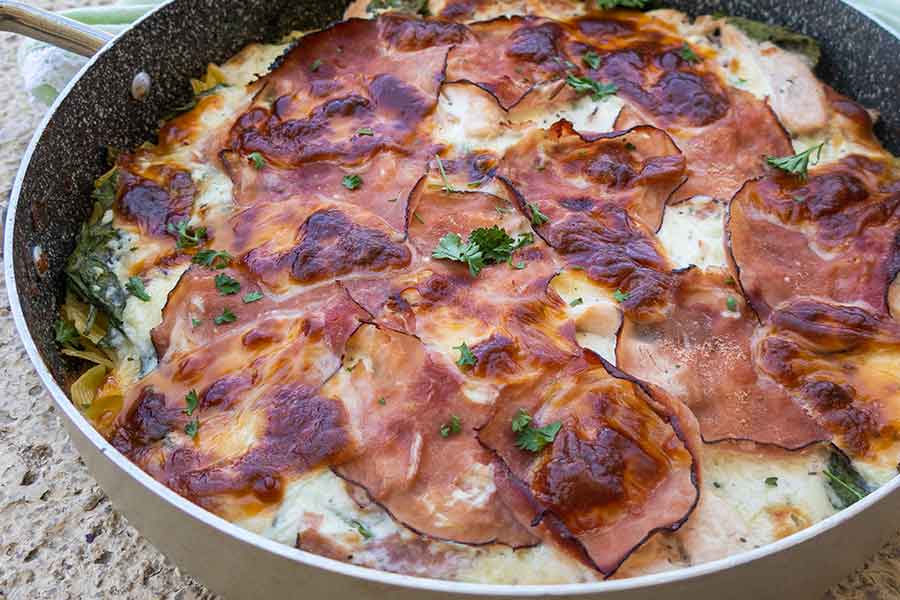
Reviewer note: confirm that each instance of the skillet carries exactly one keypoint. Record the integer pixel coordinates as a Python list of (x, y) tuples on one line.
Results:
[(51, 198)]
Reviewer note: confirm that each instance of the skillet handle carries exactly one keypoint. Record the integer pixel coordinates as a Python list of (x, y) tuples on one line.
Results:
[(18, 17)]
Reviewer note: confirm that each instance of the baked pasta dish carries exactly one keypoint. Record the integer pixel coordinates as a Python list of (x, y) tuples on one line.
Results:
[(515, 291)]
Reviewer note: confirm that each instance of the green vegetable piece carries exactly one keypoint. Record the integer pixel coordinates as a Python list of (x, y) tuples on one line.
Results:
[(89, 274), (845, 484), (226, 317), (362, 529), (780, 36), (226, 285), (466, 358), (135, 287), (352, 182), (214, 259), (521, 421), (797, 164), (106, 188), (66, 333), (191, 402), (533, 439), (586, 85)]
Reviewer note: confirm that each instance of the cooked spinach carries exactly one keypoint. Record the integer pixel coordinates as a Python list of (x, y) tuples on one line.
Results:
[(780, 36), (845, 485), (88, 272)]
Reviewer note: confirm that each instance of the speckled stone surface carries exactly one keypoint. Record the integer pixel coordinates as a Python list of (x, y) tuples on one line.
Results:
[(59, 535)]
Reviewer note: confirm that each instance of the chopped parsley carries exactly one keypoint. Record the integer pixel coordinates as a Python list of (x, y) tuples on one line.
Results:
[(259, 162), (529, 437), (66, 334), (518, 266), (418, 218), (608, 4), (731, 304), (226, 285), (362, 529), (315, 65), (191, 402), (447, 186), (730, 280), (485, 246), (226, 317), (845, 484), (620, 296), (537, 217), (586, 85), (687, 54), (135, 287), (365, 131), (352, 182), (196, 322), (452, 427), (772, 481), (382, 401), (591, 59), (214, 259), (192, 428), (797, 164), (253, 296), (466, 358), (630, 147), (188, 237), (576, 302)]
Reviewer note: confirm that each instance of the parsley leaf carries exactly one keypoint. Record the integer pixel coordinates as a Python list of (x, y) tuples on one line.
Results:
[(188, 237), (530, 438), (252, 297), (135, 287), (608, 4), (365, 131), (772, 481), (214, 259), (106, 188), (191, 402), (586, 85), (797, 164), (731, 304), (537, 217), (620, 296), (382, 401), (192, 428), (352, 182), (466, 358), (845, 484), (259, 162), (226, 317), (576, 302), (226, 285), (591, 59), (687, 54), (315, 65), (451, 247), (196, 322), (486, 245), (451, 428), (66, 333)]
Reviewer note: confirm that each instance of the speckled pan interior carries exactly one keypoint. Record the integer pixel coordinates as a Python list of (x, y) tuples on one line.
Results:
[(178, 41)]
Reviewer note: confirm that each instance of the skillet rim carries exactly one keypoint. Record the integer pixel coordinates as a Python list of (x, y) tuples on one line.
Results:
[(77, 420)]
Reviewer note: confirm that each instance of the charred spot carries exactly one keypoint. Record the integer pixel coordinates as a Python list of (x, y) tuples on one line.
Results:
[(777, 356), (410, 34), (149, 420), (582, 476), (496, 356), (602, 28), (611, 171), (191, 367), (226, 391), (826, 395), (660, 169), (152, 206), (832, 193), (437, 288), (536, 44), (261, 336), (690, 97), (403, 102), (834, 405), (833, 328), (578, 204)]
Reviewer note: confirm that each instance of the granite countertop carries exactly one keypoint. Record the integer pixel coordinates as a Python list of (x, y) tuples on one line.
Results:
[(59, 535)]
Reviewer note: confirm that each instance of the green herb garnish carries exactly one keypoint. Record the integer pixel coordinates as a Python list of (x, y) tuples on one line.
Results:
[(352, 182), (447, 187), (192, 428), (214, 259), (315, 65), (772, 481), (66, 333), (382, 401), (576, 302), (731, 304), (252, 297), (258, 160), (586, 85), (226, 317), (797, 164), (365, 131), (846, 485), (187, 236), (191, 402), (466, 358), (195, 322), (591, 59), (537, 217), (135, 287), (451, 428), (362, 529), (530, 438), (620, 296), (687, 54), (485, 246), (226, 285)]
